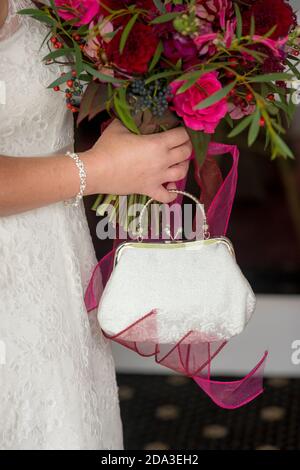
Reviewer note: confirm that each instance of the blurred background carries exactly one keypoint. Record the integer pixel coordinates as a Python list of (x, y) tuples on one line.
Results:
[(161, 410)]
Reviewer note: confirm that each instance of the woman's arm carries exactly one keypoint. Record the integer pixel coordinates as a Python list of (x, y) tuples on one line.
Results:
[(119, 163)]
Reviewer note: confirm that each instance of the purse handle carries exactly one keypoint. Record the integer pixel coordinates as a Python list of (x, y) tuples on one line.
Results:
[(206, 234)]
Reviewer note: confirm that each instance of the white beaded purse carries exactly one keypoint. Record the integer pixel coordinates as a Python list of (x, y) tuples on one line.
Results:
[(190, 286)]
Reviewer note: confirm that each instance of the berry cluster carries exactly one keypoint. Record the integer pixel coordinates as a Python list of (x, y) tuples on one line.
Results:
[(154, 96), (73, 92)]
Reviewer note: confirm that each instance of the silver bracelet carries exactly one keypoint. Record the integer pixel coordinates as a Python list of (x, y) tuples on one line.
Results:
[(82, 176)]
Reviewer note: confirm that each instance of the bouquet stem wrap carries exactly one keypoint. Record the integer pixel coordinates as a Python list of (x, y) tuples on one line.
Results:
[(193, 359)]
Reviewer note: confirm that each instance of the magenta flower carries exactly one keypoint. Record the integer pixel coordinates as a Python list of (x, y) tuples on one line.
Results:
[(184, 103), (83, 10), (178, 46)]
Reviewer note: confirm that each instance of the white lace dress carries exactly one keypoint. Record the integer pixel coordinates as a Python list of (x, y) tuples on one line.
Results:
[(58, 386)]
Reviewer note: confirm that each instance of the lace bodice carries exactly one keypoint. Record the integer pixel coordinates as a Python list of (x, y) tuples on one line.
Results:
[(34, 115)]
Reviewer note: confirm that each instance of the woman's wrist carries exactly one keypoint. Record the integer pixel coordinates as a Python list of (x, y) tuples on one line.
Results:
[(94, 171)]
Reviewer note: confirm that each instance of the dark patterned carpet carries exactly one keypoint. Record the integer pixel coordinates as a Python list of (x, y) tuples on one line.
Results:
[(171, 412)]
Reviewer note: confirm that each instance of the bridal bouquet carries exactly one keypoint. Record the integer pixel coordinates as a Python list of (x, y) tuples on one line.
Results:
[(159, 63)]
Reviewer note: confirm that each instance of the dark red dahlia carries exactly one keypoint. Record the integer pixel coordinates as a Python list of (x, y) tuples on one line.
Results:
[(119, 4), (139, 49), (269, 13)]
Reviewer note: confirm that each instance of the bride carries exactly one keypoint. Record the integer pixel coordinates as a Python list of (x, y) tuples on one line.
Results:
[(58, 385)]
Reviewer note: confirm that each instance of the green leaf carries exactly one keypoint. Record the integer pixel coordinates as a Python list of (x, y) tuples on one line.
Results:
[(168, 73), (126, 31), (78, 58), (254, 127), (160, 6), (215, 97), (281, 147), (60, 80), (271, 77), (239, 25), (123, 110), (101, 76), (293, 69), (188, 84), (165, 18), (200, 142), (252, 26), (97, 202), (156, 56), (241, 126), (229, 120), (59, 53)]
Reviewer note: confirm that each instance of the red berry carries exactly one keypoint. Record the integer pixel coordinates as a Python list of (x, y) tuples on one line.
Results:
[(69, 95), (271, 97), (53, 39), (77, 37), (249, 97), (69, 105), (70, 83), (74, 73), (73, 109), (262, 122), (229, 74), (56, 88), (238, 101), (296, 52), (57, 45), (233, 62)]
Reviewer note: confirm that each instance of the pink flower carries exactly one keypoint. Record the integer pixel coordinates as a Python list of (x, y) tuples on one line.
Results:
[(84, 10), (276, 46), (92, 48), (238, 111), (183, 103)]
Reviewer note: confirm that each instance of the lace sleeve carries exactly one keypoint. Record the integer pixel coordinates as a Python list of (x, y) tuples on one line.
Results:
[(13, 20)]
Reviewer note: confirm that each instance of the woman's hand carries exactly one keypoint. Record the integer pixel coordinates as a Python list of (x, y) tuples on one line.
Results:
[(125, 163), (119, 163)]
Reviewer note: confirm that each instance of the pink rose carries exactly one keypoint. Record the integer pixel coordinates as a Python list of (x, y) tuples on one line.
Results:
[(84, 10), (200, 120)]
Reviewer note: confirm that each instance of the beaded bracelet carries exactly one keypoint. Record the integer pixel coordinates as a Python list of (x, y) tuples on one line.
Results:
[(82, 176)]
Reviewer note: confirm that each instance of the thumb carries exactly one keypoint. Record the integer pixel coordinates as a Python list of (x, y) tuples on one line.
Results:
[(163, 195)]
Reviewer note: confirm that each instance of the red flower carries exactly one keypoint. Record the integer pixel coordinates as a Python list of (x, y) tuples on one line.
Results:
[(120, 4), (269, 13), (139, 49)]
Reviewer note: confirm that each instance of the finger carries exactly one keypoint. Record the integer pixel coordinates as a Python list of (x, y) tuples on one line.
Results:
[(173, 137), (177, 172), (180, 154), (171, 185), (163, 195)]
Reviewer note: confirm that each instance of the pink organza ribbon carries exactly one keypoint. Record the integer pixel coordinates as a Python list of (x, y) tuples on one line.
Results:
[(191, 358)]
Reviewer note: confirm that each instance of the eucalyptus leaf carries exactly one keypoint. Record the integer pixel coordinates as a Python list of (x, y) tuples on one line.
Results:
[(215, 97)]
